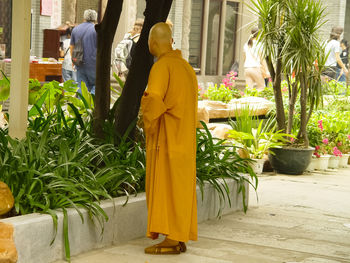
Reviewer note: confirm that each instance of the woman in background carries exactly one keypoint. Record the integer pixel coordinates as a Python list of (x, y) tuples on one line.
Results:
[(253, 62)]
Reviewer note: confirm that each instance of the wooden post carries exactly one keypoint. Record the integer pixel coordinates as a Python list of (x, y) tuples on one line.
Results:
[(20, 50)]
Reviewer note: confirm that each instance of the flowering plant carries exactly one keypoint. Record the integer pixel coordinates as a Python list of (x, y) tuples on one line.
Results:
[(321, 149), (224, 92), (230, 82), (201, 93), (336, 151)]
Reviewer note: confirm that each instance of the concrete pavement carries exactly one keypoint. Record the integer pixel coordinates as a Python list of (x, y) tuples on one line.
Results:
[(296, 219)]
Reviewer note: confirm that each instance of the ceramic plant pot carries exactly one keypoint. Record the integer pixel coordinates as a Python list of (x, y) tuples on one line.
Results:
[(290, 160), (333, 162), (343, 162), (312, 165), (257, 165), (322, 162)]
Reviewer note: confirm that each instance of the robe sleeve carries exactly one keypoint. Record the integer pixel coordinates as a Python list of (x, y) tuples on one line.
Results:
[(152, 102)]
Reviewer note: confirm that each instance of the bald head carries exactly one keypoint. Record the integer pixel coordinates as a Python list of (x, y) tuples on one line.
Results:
[(160, 39)]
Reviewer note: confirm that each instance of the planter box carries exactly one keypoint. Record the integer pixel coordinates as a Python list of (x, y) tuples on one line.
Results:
[(34, 232)]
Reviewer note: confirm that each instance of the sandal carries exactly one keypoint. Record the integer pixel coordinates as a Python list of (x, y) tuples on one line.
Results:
[(183, 247), (163, 250)]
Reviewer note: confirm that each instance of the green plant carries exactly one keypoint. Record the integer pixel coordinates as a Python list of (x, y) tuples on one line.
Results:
[(333, 87), (218, 161), (4, 88), (258, 141), (289, 36), (220, 93)]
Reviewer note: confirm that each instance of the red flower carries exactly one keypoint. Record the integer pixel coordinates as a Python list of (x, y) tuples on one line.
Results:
[(320, 125), (336, 152), (317, 147), (317, 154)]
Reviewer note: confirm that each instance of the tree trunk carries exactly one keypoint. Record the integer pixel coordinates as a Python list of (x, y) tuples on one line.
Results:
[(303, 110), (280, 117), (292, 100), (105, 35), (129, 101)]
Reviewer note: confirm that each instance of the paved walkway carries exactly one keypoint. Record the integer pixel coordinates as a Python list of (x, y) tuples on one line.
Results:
[(297, 219)]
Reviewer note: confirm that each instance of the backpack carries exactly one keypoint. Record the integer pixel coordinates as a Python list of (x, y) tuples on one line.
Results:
[(78, 52), (123, 53)]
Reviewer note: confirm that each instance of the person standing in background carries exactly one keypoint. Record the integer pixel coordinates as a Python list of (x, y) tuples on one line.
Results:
[(253, 71), (125, 49), (332, 51), (68, 70), (344, 56), (87, 33)]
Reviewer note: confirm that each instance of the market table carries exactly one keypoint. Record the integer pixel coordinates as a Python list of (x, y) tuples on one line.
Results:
[(46, 71)]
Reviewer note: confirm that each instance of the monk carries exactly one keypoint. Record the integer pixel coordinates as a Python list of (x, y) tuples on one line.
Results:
[(169, 107)]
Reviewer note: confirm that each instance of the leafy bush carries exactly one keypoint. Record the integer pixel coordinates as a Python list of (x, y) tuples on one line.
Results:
[(218, 161), (332, 127), (220, 93), (333, 87)]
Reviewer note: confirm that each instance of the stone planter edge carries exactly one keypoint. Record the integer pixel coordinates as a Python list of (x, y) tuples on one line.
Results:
[(33, 233)]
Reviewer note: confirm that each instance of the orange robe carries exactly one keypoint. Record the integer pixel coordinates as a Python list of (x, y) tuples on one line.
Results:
[(169, 107)]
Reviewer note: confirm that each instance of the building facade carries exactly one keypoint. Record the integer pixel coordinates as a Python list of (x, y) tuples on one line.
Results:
[(210, 33)]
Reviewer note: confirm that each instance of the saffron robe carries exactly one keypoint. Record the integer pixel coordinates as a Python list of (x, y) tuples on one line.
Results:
[(169, 107)]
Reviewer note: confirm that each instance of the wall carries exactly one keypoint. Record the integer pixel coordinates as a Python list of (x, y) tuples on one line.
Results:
[(82, 5), (39, 23), (5, 24), (335, 14)]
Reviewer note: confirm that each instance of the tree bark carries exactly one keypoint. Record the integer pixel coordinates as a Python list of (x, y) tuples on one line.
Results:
[(303, 110), (292, 100), (129, 101), (280, 116), (105, 35)]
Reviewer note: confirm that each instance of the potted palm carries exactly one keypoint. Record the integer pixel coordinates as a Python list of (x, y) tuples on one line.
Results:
[(289, 37)]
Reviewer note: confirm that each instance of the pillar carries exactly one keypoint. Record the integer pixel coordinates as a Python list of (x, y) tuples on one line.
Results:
[(20, 50)]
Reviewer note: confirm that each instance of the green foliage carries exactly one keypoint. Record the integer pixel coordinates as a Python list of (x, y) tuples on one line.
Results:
[(218, 161), (220, 93), (259, 141), (61, 168), (334, 87), (332, 126), (254, 136), (4, 87)]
